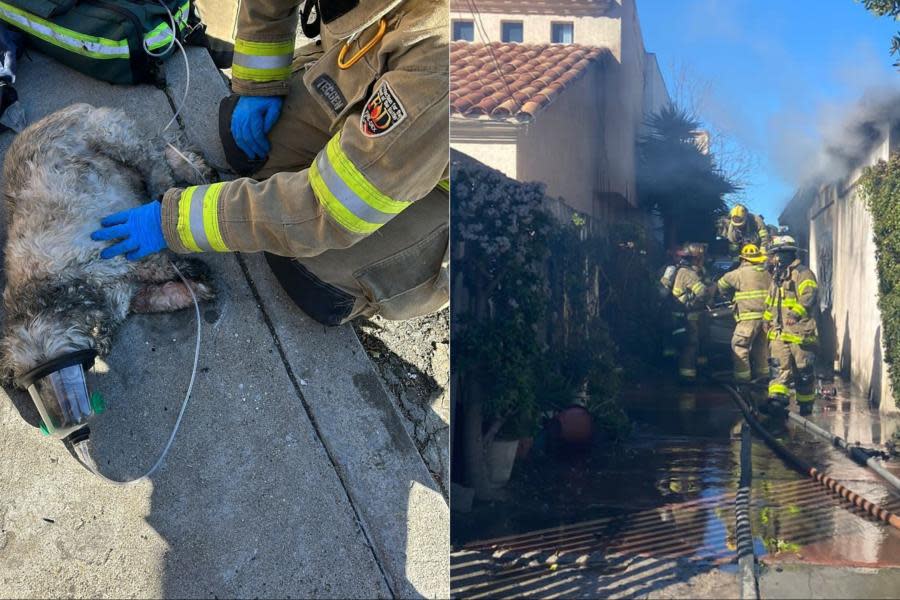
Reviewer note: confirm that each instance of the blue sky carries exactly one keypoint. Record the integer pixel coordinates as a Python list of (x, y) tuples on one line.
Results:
[(778, 73)]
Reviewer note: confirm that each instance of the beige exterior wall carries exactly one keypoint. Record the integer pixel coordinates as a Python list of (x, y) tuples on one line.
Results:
[(554, 149), (583, 146), (497, 155), (588, 31), (842, 255)]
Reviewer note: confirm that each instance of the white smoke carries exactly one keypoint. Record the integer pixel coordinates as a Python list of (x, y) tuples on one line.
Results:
[(840, 137)]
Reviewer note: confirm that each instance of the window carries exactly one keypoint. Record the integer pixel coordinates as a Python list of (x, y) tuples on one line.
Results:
[(562, 33), (464, 30), (511, 31)]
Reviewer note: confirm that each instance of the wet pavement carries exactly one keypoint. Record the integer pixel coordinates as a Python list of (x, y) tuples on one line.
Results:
[(660, 511)]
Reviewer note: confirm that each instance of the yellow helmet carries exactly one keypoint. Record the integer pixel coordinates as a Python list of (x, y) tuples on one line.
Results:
[(752, 254), (738, 214)]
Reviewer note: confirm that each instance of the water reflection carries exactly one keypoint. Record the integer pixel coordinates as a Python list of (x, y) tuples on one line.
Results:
[(666, 501)]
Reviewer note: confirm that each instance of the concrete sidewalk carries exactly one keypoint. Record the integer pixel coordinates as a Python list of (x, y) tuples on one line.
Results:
[(292, 475)]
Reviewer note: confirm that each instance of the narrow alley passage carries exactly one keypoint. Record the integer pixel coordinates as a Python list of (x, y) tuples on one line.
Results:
[(657, 518)]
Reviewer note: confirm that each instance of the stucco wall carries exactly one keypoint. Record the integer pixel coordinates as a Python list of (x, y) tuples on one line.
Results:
[(842, 254), (588, 31), (558, 150), (498, 155)]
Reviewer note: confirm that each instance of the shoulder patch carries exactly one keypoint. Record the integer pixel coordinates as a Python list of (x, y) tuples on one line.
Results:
[(382, 112), (329, 90)]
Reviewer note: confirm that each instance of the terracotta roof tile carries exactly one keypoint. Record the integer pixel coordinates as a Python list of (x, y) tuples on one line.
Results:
[(534, 75)]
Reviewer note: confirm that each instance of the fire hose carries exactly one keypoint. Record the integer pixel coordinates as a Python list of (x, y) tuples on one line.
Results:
[(864, 457), (805, 468)]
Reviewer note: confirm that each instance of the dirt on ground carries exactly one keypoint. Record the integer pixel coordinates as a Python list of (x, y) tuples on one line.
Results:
[(413, 359)]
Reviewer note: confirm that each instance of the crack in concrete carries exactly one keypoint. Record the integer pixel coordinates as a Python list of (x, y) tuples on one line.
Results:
[(312, 419)]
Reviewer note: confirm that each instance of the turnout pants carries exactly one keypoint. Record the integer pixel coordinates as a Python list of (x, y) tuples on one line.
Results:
[(687, 357), (399, 272), (788, 362), (749, 350)]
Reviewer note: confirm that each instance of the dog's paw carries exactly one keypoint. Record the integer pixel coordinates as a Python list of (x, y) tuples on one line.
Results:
[(189, 167)]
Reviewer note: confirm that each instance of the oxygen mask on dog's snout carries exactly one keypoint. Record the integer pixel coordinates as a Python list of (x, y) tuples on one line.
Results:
[(60, 393)]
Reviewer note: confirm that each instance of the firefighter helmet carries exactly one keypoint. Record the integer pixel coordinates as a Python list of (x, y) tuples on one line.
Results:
[(738, 215), (752, 254), (693, 249), (783, 243)]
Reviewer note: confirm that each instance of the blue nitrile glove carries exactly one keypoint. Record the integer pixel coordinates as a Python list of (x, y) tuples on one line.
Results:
[(251, 121), (139, 229)]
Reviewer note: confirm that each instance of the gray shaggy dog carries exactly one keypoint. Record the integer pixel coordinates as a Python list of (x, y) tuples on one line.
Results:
[(61, 176)]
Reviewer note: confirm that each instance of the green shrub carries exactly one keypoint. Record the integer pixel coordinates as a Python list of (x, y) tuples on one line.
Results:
[(880, 186)]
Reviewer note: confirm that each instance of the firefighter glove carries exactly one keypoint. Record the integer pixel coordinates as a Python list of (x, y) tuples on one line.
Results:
[(252, 119), (138, 232)]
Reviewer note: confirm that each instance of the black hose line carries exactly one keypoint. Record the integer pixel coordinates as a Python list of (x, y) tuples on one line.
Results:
[(807, 469)]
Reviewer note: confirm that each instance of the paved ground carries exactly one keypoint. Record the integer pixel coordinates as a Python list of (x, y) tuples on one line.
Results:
[(828, 581), (293, 474), (413, 359)]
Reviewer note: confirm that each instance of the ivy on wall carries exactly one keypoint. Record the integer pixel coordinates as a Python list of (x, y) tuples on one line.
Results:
[(880, 187)]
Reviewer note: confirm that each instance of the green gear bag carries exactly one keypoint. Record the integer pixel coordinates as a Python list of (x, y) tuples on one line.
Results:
[(105, 39)]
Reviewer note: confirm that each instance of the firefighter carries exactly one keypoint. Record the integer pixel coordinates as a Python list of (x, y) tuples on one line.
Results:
[(791, 322), (689, 291), (748, 286), (346, 141), (743, 227)]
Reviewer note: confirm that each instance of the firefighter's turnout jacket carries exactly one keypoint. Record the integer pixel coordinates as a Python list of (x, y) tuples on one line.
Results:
[(754, 231), (748, 286), (793, 338), (791, 306), (689, 291), (362, 139)]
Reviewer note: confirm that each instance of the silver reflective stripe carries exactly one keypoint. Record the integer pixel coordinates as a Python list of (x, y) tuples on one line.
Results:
[(164, 36), (262, 62), (197, 218), (63, 39), (346, 196)]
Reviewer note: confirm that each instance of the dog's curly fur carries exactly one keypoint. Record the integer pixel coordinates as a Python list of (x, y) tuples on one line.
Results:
[(60, 177)]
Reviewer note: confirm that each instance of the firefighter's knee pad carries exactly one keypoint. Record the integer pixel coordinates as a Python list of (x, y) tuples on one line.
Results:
[(323, 302), (237, 160)]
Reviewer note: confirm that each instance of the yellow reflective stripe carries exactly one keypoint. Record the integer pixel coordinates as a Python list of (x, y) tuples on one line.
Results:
[(750, 316), (792, 304), (724, 285), (210, 202), (335, 209), (754, 294), (778, 388), (184, 221), (262, 61), (72, 41), (698, 287), (688, 372), (348, 197), (677, 291), (767, 316), (742, 375), (260, 75), (161, 35), (444, 184), (358, 183), (264, 48), (763, 233), (807, 283), (805, 397)]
